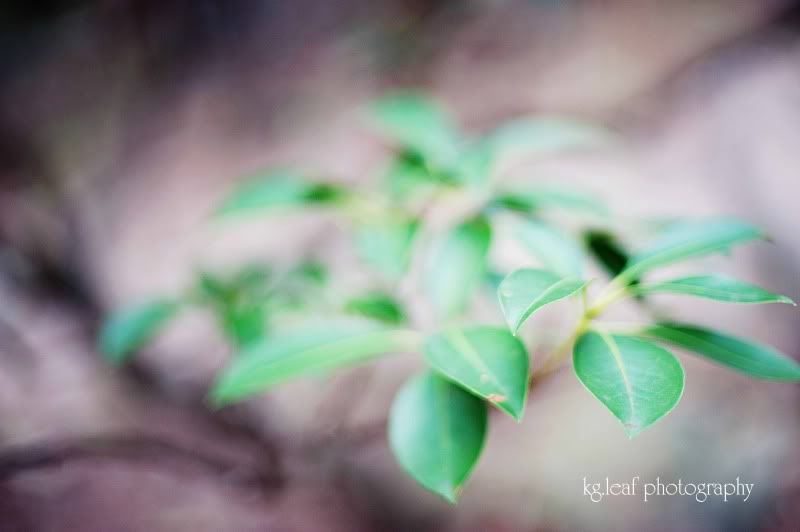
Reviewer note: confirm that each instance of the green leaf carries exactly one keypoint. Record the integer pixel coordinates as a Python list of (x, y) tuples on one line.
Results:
[(526, 290), (746, 356), (605, 248), (278, 189), (681, 241), (377, 306), (279, 358), (129, 329), (638, 381), (609, 253), (458, 264), (431, 149), (418, 124), (544, 135), (534, 199), (243, 324), (436, 432), (387, 246), (556, 251), (715, 286), (488, 361)]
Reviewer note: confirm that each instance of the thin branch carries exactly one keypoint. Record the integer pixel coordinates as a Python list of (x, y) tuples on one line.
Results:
[(135, 449)]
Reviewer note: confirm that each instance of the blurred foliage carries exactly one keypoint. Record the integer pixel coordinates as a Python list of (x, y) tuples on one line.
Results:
[(438, 422)]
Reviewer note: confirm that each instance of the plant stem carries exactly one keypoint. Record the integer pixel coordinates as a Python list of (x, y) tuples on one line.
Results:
[(584, 300), (557, 357), (603, 303), (554, 361)]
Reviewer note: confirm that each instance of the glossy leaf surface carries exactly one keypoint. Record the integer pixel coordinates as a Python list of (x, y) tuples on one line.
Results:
[(715, 286), (746, 356), (637, 380), (436, 432), (488, 361), (526, 290)]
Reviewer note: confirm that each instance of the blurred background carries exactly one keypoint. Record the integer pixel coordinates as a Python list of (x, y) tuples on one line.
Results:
[(124, 123)]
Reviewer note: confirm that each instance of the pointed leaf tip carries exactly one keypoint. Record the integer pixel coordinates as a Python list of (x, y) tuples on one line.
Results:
[(686, 240), (638, 381), (743, 355), (717, 287), (437, 431), (525, 291)]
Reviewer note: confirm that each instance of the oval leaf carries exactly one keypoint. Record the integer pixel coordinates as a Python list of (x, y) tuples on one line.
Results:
[(746, 356), (525, 291), (280, 358), (718, 287), (436, 432), (277, 189), (638, 381), (127, 330), (488, 361), (458, 264), (681, 241), (556, 251)]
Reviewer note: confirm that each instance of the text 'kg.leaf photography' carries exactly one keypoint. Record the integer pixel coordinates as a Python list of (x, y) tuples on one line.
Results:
[(700, 491)]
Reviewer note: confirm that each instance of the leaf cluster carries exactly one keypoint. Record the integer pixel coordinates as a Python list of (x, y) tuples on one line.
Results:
[(439, 419)]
